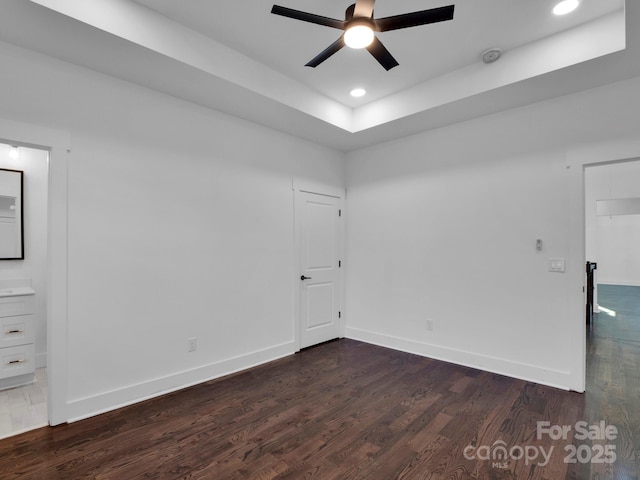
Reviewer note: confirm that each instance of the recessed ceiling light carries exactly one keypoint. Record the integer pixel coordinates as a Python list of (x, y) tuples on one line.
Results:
[(566, 6), (358, 92)]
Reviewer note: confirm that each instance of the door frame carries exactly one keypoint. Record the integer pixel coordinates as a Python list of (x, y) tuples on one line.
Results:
[(58, 144), (578, 159), (298, 187)]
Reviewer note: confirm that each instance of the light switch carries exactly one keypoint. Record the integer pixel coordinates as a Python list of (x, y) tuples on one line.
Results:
[(556, 265)]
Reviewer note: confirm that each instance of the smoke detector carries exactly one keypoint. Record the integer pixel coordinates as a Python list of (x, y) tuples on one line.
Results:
[(491, 55)]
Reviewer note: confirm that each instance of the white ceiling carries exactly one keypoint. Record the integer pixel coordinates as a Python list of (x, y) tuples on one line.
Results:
[(239, 58), (423, 52)]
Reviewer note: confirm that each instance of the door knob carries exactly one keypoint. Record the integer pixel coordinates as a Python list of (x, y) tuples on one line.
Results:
[(302, 277)]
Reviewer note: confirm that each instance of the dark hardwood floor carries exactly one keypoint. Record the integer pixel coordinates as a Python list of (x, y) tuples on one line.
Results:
[(613, 378), (349, 410)]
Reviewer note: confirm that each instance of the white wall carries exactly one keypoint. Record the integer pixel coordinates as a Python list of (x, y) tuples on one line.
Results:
[(612, 241), (619, 250), (180, 225), (443, 226), (35, 165)]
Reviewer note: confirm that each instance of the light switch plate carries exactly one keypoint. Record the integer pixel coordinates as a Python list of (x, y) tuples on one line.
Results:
[(556, 265)]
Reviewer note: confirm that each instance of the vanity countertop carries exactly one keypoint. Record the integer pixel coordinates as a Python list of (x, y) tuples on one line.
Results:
[(16, 291)]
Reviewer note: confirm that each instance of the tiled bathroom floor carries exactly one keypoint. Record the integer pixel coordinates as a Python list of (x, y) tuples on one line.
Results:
[(24, 408)]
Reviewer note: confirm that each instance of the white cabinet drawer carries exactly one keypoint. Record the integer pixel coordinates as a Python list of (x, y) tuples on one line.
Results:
[(17, 361), (21, 305), (16, 331)]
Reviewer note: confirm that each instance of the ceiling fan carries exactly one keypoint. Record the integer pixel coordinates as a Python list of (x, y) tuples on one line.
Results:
[(359, 27)]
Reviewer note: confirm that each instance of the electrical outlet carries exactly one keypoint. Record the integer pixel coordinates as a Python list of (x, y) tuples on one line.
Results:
[(429, 325), (192, 344)]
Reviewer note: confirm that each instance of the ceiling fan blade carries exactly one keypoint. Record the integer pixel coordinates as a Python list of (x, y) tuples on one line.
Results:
[(379, 51), (326, 53), (308, 17), (415, 19), (348, 14), (364, 8)]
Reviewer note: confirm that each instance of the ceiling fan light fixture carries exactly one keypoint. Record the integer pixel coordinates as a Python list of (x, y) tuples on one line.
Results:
[(358, 36), (565, 7)]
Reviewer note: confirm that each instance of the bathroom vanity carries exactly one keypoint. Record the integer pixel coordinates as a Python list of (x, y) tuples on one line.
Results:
[(17, 333)]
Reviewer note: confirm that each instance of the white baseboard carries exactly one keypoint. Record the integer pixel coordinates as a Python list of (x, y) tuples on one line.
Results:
[(530, 373), (41, 360), (104, 402)]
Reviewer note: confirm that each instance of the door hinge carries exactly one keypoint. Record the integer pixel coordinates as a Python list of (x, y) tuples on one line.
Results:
[(339, 263), (339, 213), (339, 314)]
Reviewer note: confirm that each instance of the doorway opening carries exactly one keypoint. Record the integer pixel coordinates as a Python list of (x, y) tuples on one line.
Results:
[(23, 296), (612, 239)]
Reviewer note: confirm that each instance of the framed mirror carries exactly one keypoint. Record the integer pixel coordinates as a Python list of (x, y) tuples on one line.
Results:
[(11, 224)]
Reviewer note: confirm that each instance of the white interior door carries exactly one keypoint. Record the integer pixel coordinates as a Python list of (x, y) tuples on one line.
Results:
[(319, 223)]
